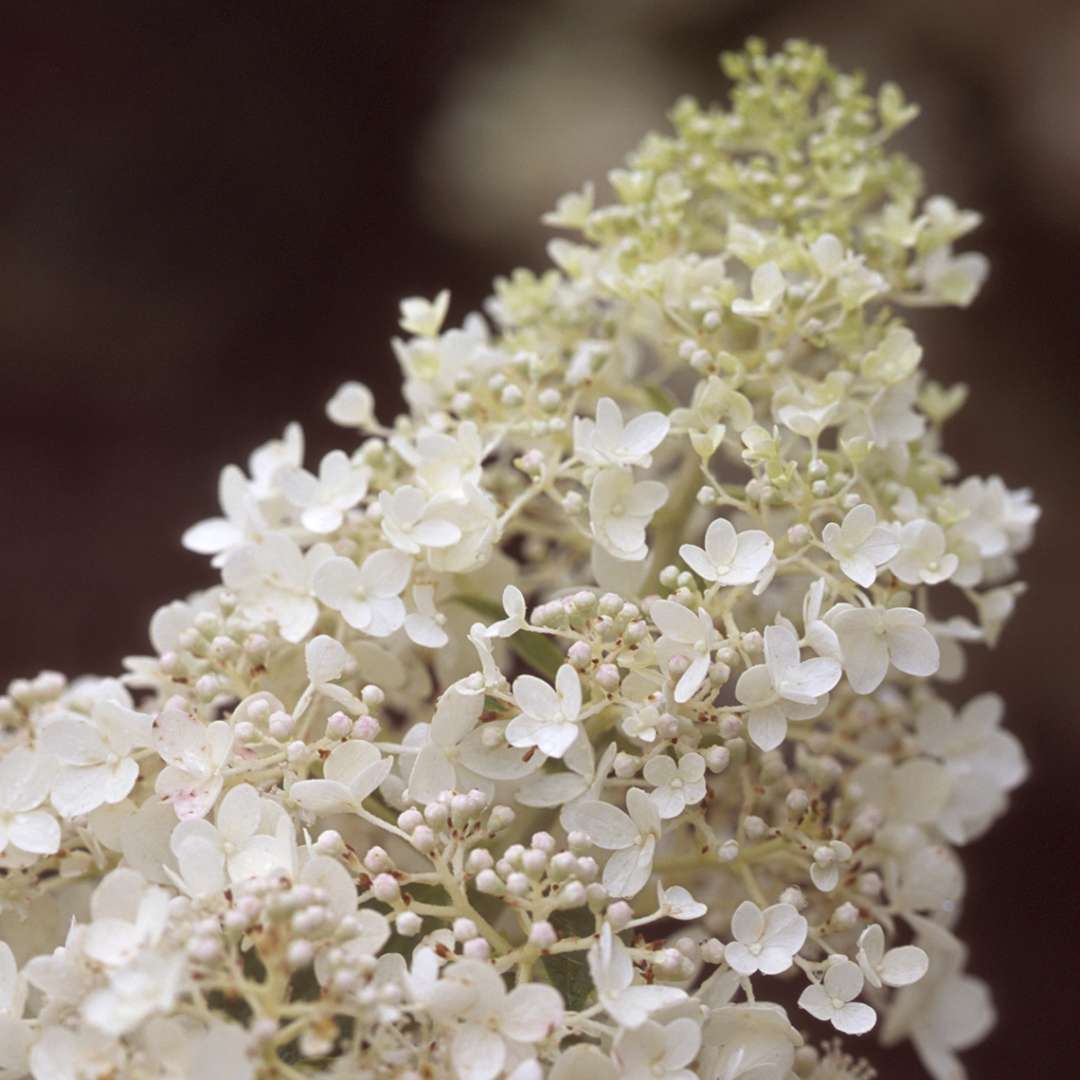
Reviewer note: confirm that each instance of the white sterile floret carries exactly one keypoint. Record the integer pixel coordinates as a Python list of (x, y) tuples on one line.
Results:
[(784, 688), (324, 499), (659, 1050), (901, 966), (16, 1034), (273, 579), (368, 596), (25, 778), (250, 837), (241, 522), (490, 1023), (445, 464), (438, 765), (549, 718), (826, 864), (983, 762), (860, 545), (833, 999), (767, 288), (96, 755), (424, 317), (513, 603), (196, 755), (729, 558), (583, 778), (612, 970), (412, 521), (350, 774), (607, 440), (765, 941), (631, 834), (686, 634), (676, 785), (677, 903), (425, 625), (620, 510), (353, 405), (872, 638), (922, 558)]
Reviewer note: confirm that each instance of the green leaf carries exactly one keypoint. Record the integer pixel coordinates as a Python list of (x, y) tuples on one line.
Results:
[(536, 650), (569, 972)]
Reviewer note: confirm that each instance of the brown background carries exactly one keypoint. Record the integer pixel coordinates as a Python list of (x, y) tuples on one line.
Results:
[(208, 213)]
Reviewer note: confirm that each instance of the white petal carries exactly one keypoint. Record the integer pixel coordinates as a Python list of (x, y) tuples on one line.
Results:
[(854, 1018), (817, 1003), (350, 759), (477, 1053), (73, 742), (326, 659), (698, 561), (79, 790), (568, 685), (202, 866), (535, 697), (748, 923), (914, 650), (692, 678), (784, 928), (627, 871), (904, 965), (239, 813), (35, 831), (321, 796), (432, 774), (676, 621), (531, 1012), (328, 874), (767, 727), (844, 980), (739, 958), (866, 658), (606, 826)]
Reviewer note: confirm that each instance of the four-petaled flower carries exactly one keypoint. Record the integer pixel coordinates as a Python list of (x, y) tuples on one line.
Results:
[(689, 635), (631, 834), (620, 509), (25, 778), (492, 1022), (901, 966), (860, 545), (659, 1050), (368, 596), (549, 718), (765, 941), (350, 774), (784, 688), (833, 999), (729, 557), (95, 755), (324, 499), (196, 755), (676, 784), (608, 441), (871, 638)]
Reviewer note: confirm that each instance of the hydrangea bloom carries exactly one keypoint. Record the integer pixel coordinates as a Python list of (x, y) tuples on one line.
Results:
[(638, 628)]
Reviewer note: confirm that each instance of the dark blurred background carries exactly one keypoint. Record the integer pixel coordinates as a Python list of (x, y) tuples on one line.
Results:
[(208, 215)]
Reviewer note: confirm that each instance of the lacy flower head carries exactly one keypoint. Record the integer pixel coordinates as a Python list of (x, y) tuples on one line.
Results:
[(594, 718)]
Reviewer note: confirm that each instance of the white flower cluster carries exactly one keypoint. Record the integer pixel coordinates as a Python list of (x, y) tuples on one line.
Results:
[(556, 728)]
